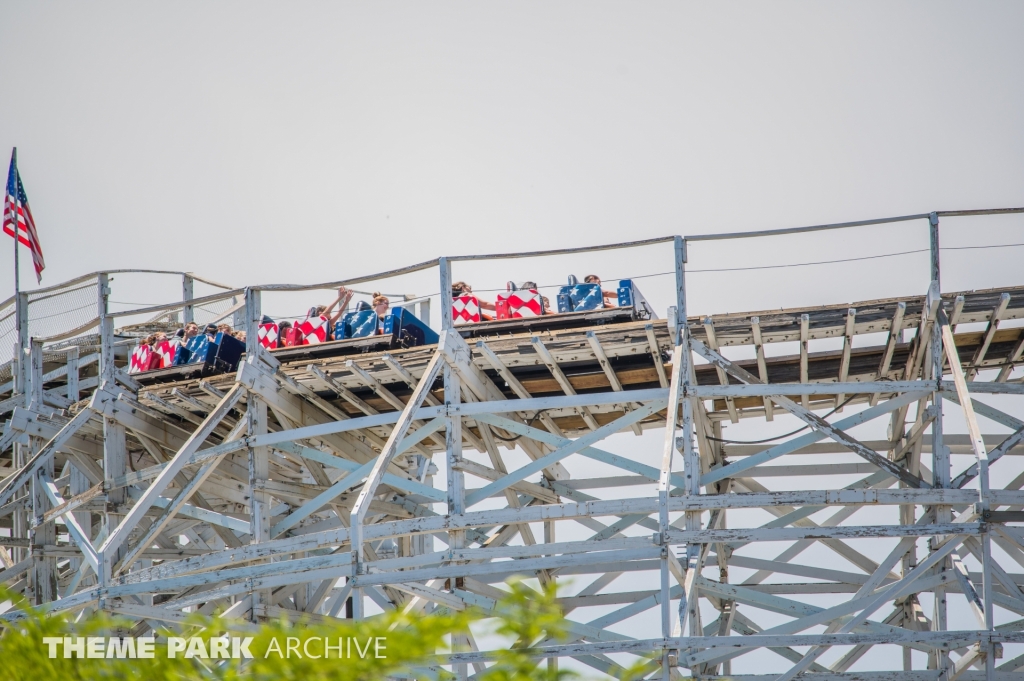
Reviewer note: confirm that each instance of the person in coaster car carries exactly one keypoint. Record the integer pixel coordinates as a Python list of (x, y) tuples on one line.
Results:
[(532, 286), (282, 327), (191, 330), (607, 295), (461, 288), (341, 303), (380, 305)]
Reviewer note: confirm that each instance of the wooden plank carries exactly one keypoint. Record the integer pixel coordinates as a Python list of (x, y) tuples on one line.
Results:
[(762, 368), (602, 358), (993, 325), (844, 364), (709, 330), (895, 333), (980, 452), (563, 382), (804, 341), (655, 350)]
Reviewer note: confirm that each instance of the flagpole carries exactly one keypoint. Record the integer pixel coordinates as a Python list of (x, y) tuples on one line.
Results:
[(17, 283)]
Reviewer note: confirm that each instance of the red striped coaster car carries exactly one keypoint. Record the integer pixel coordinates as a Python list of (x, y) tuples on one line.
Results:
[(465, 310), (293, 336), (163, 355), (519, 303), (142, 357), (267, 335), (314, 330)]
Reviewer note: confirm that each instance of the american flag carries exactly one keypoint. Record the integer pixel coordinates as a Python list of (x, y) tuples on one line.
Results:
[(16, 211)]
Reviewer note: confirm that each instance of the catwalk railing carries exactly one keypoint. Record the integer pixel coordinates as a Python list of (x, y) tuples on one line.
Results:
[(305, 488)]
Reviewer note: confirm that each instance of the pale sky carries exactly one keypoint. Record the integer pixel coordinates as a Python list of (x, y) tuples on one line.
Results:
[(262, 143), (307, 142)]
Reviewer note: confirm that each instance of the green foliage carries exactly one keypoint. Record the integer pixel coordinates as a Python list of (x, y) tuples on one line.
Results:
[(525, 619)]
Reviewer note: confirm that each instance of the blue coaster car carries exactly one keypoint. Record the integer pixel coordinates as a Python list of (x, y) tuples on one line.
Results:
[(218, 355), (361, 323), (404, 328), (577, 297), (407, 330), (630, 296), (195, 346)]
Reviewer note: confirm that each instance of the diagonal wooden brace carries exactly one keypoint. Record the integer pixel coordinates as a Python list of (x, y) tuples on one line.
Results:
[(391, 447), (33, 464), (172, 468), (812, 419)]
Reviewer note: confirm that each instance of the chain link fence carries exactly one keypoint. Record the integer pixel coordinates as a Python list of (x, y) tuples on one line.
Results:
[(51, 312)]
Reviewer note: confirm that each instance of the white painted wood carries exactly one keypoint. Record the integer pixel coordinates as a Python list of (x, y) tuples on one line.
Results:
[(174, 466), (358, 514), (762, 367)]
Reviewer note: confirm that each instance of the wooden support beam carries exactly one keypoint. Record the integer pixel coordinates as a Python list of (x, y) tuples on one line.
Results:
[(120, 533), (361, 506), (157, 526), (844, 363), (341, 390), (378, 388), (606, 366), (954, 315), (655, 350), (813, 420), (516, 386), (411, 381), (1012, 360), (986, 340), (762, 368), (804, 340), (556, 371), (895, 334), (723, 378), (44, 454), (980, 451)]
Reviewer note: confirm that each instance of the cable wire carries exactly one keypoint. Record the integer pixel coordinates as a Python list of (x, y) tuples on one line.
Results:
[(513, 439), (778, 437)]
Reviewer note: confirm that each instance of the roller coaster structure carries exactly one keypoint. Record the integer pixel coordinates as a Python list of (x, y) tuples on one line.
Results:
[(302, 485)]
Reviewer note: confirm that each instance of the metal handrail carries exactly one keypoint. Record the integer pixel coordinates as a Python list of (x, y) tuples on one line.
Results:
[(427, 264)]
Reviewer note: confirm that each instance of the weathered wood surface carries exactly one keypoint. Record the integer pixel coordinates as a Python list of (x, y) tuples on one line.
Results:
[(188, 498)]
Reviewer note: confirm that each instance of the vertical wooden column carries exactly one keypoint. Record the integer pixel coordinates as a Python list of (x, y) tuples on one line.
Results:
[(44, 569), (35, 375), (549, 538), (256, 424), (115, 459), (187, 294), (106, 328), (677, 396), (115, 452), (941, 476), (424, 314), (79, 483), (453, 442), (72, 375)]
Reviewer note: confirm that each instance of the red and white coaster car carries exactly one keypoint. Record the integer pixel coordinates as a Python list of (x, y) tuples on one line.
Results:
[(163, 355), (521, 303), (314, 330), (465, 310), (142, 357), (267, 335), (292, 336)]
